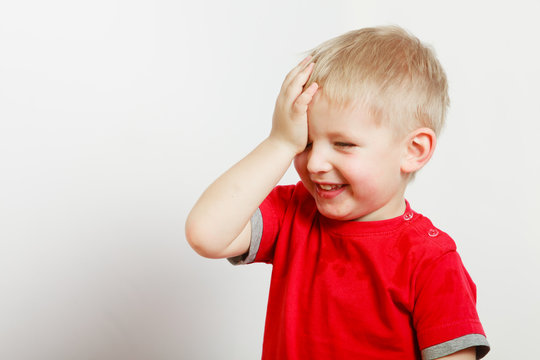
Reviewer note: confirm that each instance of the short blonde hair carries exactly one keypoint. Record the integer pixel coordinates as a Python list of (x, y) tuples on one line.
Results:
[(389, 70)]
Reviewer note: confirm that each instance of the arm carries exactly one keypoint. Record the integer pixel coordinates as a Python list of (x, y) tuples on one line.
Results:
[(465, 354), (218, 226)]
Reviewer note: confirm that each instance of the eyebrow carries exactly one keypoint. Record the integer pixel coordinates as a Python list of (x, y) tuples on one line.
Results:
[(339, 134)]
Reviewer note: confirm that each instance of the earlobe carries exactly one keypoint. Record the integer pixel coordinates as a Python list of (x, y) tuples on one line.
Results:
[(418, 149)]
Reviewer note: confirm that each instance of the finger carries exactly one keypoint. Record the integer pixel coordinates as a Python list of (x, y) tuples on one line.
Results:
[(303, 76), (297, 69), (297, 83), (302, 102), (312, 89), (305, 61)]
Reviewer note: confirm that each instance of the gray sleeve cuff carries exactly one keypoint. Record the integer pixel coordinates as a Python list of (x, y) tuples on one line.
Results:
[(256, 235), (455, 345)]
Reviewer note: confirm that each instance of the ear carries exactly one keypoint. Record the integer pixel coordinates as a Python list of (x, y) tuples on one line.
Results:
[(418, 148)]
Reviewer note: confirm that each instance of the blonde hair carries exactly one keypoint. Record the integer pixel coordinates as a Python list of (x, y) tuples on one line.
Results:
[(389, 70)]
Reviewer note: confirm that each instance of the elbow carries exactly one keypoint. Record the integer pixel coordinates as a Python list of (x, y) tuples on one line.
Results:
[(200, 240)]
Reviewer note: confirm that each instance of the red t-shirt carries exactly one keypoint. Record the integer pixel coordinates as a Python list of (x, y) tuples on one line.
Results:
[(391, 289)]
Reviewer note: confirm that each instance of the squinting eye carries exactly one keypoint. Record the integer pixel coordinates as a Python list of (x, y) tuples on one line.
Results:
[(343, 144)]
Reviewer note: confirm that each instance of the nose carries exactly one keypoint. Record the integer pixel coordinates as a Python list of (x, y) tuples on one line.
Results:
[(318, 160)]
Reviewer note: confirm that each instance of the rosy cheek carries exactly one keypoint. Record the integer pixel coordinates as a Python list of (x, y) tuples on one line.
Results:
[(361, 178), (300, 164)]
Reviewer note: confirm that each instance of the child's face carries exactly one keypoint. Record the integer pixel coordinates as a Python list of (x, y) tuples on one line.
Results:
[(351, 166)]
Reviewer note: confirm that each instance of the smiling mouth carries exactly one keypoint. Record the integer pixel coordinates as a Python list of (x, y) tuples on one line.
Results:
[(327, 187)]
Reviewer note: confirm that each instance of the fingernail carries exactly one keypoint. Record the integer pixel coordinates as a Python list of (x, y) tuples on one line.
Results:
[(306, 59)]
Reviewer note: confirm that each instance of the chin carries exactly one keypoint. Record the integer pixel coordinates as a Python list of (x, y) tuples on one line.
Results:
[(335, 215)]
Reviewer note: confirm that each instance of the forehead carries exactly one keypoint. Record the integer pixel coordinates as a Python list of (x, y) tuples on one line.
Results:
[(325, 115)]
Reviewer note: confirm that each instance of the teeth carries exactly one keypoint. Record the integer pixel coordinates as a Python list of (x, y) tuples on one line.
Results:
[(329, 187)]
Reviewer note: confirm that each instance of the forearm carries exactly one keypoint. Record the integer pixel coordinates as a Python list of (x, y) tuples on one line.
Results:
[(465, 354), (224, 209), (218, 225)]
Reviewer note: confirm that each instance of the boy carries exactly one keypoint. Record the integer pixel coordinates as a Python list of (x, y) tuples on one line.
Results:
[(357, 274)]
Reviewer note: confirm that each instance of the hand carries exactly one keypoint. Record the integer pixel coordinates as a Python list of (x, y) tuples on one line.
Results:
[(289, 123)]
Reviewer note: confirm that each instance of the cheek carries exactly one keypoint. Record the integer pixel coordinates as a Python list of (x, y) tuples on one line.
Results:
[(300, 164), (363, 176)]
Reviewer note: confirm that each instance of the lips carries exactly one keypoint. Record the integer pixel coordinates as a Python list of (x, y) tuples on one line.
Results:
[(330, 187), (329, 191)]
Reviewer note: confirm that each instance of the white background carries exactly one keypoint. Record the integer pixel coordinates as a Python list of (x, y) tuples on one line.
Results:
[(116, 114)]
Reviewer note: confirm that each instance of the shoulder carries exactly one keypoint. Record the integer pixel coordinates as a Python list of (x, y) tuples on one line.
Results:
[(421, 244), (430, 252), (285, 201), (290, 195), (290, 192), (423, 236), (301, 193)]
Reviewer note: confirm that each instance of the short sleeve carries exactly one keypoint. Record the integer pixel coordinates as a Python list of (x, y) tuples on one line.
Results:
[(444, 315), (265, 225), (255, 241)]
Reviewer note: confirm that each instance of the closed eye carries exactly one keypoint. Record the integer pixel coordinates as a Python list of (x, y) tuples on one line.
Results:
[(344, 144)]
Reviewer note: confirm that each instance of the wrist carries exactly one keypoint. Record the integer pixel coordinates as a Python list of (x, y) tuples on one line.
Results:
[(284, 147)]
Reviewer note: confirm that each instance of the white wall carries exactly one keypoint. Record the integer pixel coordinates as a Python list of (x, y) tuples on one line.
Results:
[(115, 115)]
